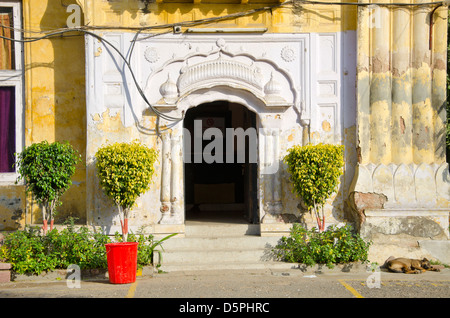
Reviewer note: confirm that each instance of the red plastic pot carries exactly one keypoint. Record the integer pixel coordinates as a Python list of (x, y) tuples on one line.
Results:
[(122, 262)]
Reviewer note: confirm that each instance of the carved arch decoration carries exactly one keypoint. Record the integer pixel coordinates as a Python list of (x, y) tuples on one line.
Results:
[(179, 77)]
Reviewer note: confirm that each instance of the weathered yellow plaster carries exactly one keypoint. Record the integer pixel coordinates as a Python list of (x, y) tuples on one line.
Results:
[(110, 123), (401, 89), (55, 107), (400, 86), (287, 18), (380, 142), (397, 130), (402, 133), (12, 211)]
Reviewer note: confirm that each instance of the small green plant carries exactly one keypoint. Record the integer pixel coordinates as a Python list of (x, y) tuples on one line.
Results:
[(437, 262), (314, 171), (333, 246), (125, 171), (29, 251), (32, 252), (146, 246), (47, 170), (78, 246)]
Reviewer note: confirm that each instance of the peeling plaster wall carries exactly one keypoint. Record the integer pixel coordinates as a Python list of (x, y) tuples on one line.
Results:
[(117, 113), (287, 19), (377, 89), (400, 125), (54, 109), (401, 87), (105, 128), (12, 212)]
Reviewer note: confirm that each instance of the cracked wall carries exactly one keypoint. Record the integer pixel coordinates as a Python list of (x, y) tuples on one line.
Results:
[(393, 131), (332, 28), (401, 117)]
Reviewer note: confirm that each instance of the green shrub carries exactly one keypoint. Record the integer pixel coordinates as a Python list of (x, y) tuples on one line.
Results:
[(31, 252), (333, 246), (26, 252), (77, 246), (47, 170), (314, 171), (125, 171)]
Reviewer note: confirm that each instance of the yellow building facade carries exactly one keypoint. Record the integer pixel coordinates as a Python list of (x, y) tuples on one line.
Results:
[(50, 103), (371, 77)]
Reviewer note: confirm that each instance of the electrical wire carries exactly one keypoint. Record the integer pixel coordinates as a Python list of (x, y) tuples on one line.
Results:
[(87, 30), (102, 40), (127, 63), (139, 30), (365, 4)]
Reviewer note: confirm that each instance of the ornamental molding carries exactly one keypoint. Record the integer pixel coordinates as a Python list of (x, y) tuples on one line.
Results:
[(219, 70), (405, 185), (219, 66)]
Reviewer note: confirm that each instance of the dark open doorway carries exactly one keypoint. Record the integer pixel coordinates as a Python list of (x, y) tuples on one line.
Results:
[(220, 191)]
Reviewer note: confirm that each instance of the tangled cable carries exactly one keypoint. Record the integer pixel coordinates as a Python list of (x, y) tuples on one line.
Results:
[(139, 30)]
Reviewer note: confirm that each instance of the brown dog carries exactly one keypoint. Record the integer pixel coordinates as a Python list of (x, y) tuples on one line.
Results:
[(409, 266)]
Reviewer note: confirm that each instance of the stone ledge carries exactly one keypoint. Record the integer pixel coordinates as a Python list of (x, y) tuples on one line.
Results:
[(5, 273), (5, 266), (438, 249), (275, 229), (418, 223), (404, 212)]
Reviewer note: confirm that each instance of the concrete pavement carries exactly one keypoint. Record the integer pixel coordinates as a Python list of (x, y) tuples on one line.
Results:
[(243, 284)]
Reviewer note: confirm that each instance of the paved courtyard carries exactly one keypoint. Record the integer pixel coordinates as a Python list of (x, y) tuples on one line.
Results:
[(255, 284)]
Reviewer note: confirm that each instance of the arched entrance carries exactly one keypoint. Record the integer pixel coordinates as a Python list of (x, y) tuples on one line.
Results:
[(233, 81), (220, 183)]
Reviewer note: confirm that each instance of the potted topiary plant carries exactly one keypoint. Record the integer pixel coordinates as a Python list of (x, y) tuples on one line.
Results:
[(47, 170), (315, 171), (125, 172)]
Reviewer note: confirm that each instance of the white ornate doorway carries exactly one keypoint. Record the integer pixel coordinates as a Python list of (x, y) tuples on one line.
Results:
[(220, 75), (275, 77), (220, 184)]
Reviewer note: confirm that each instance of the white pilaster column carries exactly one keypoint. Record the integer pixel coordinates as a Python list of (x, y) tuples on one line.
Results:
[(176, 180), (165, 178), (268, 177), (277, 205), (272, 176)]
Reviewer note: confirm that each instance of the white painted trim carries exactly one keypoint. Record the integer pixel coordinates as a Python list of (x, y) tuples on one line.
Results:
[(15, 78)]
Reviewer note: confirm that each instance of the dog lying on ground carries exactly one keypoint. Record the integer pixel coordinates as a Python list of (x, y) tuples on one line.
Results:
[(409, 265)]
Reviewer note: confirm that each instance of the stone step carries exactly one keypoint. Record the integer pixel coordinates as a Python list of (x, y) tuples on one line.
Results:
[(272, 265), (219, 243), (213, 256), (210, 246), (221, 230)]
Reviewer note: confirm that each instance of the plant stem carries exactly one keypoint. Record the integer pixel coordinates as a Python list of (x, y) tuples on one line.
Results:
[(320, 223), (123, 215), (323, 219), (50, 212), (44, 217)]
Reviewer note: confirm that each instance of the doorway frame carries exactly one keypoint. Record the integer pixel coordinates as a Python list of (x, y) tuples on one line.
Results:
[(214, 72), (268, 126), (249, 182)]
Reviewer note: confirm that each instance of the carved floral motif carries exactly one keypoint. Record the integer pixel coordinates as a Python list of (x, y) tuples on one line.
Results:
[(151, 55), (288, 54)]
